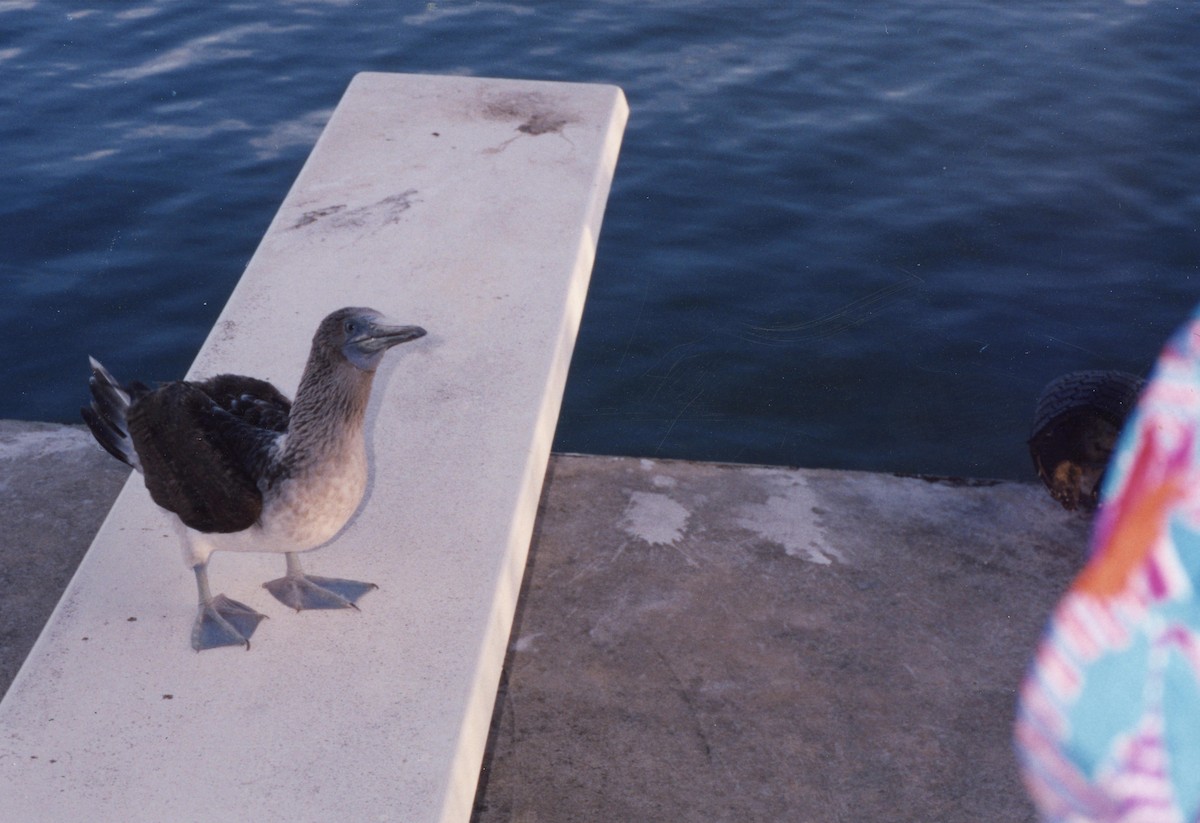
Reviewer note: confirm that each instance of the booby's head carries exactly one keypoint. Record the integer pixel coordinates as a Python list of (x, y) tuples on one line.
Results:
[(362, 335)]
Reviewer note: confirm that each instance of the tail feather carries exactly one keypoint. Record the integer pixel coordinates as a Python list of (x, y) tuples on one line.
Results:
[(106, 417)]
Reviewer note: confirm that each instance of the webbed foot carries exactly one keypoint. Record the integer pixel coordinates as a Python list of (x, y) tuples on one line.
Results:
[(224, 622), (303, 592)]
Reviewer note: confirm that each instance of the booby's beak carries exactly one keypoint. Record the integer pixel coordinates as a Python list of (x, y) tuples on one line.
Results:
[(368, 334), (379, 336)]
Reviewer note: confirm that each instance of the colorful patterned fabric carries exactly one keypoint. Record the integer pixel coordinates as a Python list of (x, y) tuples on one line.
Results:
[(1108, 725)]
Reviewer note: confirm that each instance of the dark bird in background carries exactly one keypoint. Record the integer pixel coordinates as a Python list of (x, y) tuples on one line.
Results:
[(245, 469)]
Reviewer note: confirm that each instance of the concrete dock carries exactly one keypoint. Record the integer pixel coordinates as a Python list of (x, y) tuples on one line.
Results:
[(470, 206), (700, 642)]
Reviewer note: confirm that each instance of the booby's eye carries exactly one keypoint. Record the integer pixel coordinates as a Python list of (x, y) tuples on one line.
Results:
[(351, 327)]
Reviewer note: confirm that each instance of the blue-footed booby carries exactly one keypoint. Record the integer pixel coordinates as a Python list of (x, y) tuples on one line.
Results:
[(245, 469)]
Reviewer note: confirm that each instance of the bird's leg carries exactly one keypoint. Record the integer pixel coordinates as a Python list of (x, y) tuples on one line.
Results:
[(300, 591), (221, 621)]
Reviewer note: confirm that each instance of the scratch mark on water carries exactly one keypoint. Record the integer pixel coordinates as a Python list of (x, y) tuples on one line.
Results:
[(671, 427), (848, 316), (1092, 352)]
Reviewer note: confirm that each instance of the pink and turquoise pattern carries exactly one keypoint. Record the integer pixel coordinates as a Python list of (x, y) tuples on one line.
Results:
[(1108, 724)]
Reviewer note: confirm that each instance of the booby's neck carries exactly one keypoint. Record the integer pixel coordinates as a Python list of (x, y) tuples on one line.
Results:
[(327, 414)]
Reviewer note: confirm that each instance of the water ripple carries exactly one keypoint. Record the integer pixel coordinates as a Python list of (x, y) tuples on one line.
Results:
[(837, 237)]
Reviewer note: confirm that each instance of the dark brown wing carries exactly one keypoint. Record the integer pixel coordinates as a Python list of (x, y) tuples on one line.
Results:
[(250, 400), (194, 455)]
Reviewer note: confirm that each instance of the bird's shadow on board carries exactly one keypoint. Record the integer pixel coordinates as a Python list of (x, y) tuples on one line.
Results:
[(385, 375)]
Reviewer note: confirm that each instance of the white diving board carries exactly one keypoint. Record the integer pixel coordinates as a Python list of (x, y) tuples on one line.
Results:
[(468, 206)]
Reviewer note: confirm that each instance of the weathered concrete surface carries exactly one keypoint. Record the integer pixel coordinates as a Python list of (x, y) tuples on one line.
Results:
[(717, 643), (56, 486), (703, 642)]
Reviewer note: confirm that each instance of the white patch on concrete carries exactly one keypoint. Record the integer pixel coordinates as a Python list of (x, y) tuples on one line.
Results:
[(788, 519), (662, 481), (654, 518), (525, 642), (647, 465)]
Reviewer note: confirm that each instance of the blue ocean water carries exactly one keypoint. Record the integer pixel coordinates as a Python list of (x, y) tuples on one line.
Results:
[(842, 235)]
